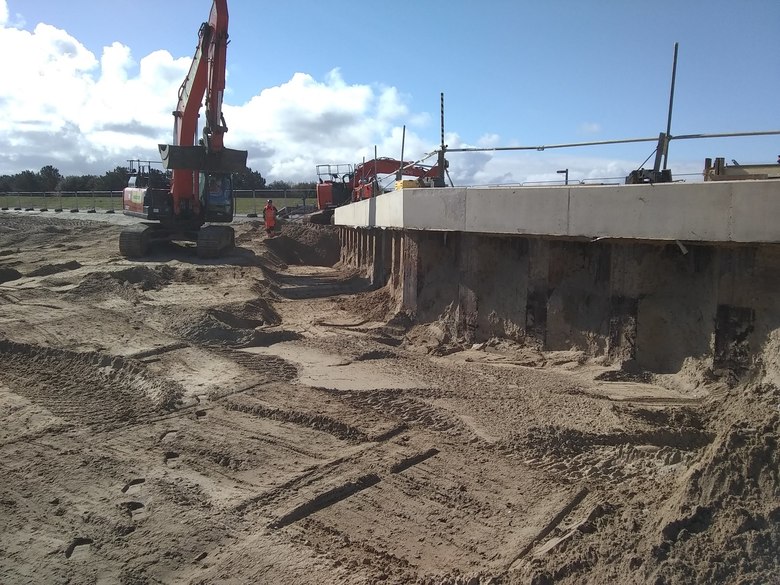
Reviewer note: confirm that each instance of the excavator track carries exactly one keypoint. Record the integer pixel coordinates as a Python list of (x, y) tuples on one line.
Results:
[(214, 240), (134, 241)]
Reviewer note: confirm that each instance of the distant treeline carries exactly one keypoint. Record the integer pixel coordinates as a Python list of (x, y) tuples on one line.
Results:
[(49, 179)]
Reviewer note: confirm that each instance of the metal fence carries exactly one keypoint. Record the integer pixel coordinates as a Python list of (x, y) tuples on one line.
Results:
[(251, 203), (59, 201), (248, 202)]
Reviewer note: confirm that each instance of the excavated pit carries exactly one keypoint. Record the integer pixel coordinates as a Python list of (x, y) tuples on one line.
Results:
[(278, 415)]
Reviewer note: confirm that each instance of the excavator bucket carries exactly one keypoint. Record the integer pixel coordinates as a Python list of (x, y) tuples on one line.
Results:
[(196, 158)]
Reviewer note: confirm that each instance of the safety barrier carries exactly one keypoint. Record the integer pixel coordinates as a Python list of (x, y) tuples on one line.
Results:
[(248, 202), (60, 201)]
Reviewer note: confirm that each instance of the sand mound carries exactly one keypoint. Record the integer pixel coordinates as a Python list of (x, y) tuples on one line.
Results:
[(127, 283), (230, 325), (378, 305), (718, 523), (49, 269), (91, 387), (146, 278), (723, 524), (308, 244)]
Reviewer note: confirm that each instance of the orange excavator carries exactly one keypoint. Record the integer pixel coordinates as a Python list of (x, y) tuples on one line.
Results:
[(339, 184), (200, 191)]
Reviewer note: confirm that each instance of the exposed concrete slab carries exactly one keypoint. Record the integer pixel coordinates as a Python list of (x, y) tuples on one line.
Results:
[(543, 210), (755, 213), (652, 212), (722, 211), (437, 211)]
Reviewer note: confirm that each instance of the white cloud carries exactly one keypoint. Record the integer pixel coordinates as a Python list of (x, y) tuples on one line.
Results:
[(290, 128), (527, 167), (87, 114), (590, 128), (489, 141), (82, 114)]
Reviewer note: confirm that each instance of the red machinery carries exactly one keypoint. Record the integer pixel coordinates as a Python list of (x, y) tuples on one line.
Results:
[(339, 184), (201, 185)]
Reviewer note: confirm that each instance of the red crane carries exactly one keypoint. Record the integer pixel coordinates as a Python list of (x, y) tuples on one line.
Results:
[(339, 184)]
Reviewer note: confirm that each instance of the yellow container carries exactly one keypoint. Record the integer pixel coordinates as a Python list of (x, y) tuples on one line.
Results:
[(406, 184)]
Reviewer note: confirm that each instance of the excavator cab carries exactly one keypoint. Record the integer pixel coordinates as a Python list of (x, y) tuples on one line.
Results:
[(216, 196), (334, 186)]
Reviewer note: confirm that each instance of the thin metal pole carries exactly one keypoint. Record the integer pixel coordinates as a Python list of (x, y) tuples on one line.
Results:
[(399, 174), (671, 105), (440, 160), (548, 146), (442, 119), (726, 135)]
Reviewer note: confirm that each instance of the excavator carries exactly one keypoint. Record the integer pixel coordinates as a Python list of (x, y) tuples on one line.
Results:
[(200, 189), (339, 184)]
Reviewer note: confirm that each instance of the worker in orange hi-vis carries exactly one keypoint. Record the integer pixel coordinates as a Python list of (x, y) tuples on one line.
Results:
[(269, 215)]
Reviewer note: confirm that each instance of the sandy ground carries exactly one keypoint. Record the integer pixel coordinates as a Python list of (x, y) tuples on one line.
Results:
[(266, 418)]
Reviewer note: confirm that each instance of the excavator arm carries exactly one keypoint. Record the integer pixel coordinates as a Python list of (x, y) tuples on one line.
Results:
[(366, 176), (205, 82), (387, 166)]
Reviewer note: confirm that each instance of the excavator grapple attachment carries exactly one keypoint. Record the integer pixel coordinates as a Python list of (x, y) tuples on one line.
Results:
[(227, 160)]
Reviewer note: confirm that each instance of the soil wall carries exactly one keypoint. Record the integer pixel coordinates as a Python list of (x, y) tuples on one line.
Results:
[(654, 305)]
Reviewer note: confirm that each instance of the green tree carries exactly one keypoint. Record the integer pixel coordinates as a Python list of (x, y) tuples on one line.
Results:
[(75, 183), (308, 185), (278, 185), (159, 178), (115, 180), (94, 183), (248, 180), (27, 182), (49, 177)]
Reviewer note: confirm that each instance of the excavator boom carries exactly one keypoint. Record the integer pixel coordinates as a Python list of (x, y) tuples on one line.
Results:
[(205, 79)]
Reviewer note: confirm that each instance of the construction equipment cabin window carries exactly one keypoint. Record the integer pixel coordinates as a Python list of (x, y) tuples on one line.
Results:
[(216, 191)]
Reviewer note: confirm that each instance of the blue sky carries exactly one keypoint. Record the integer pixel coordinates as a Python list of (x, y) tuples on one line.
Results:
[(513, 73)]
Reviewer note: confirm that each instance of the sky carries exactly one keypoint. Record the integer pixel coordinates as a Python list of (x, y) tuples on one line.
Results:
[(89, 84)]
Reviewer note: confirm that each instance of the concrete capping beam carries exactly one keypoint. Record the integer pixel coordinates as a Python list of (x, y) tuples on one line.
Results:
[(722, 211), (527, 211), (668, 211)]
